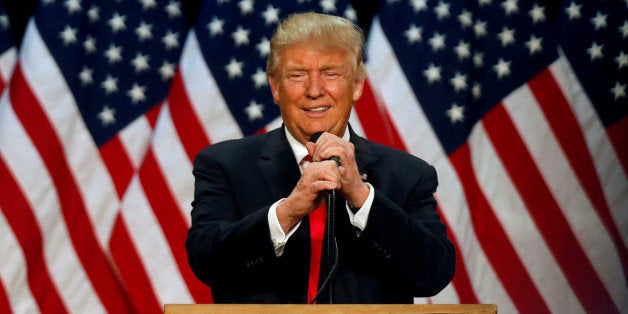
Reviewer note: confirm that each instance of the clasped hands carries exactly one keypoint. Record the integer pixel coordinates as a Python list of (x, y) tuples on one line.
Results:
[(322, 175)]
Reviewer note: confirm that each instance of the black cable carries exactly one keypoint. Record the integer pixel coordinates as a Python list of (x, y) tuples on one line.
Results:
[(332, 272)]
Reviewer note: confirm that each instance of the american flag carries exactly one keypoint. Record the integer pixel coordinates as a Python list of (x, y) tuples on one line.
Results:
[(520, 105)]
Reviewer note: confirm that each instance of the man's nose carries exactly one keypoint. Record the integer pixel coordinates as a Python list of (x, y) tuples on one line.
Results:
[(314, 88)]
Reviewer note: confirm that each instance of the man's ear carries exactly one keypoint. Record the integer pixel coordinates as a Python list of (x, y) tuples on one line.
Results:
[(358, 89), (273, 88)]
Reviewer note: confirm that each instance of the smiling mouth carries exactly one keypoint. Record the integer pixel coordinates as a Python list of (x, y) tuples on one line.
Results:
[(317, 109)]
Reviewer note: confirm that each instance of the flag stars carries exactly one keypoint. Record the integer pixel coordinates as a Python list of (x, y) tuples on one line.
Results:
[(170, 40), (507, 36), (432, 73), (621, 59), (173, 9), (246, 7), (68, 35), (110, 85), (502, 68), (599, 21), (465, 18), (144, 31), (328, 6), (117, 23), (619, 90), (476, 90), (166, 70), (137, 93), (107, 116), (271, 15), (73, 6), (510, 7), (259, 78), (234, 68), (479, 28), (484, 2), (350, 14), (437, 42), (478, 59), (254, 111), (573, 11), (455, 113), (414, 34), (537, 14), (418, 5), (215, 27), (240, 36), (595, 51), (624, 29), (93, 14), (140, 62), (463, 50), (113, 54), (442, 10), (534, 44), (263, 47), (4, 22), (148, 4), (86, 76), (89, 45), (459, 82)]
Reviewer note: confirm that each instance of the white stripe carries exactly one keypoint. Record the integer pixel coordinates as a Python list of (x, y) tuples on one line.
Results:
[(89, 172), (152, 247), (609, 170), (207, 101), (390, 85), (13, 271), (61, 261), (135, 139), (566, 189), (356, 124), (7, 64), (174, 163), (520, 228)]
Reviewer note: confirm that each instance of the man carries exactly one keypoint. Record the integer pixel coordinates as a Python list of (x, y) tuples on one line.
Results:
[(255, 235)]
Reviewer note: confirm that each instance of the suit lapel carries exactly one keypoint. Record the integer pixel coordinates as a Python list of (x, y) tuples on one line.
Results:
[(364, 156), (277, 164)]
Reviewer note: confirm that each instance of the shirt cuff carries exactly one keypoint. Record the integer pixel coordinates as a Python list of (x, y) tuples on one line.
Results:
[(277, 235), (361, 217)]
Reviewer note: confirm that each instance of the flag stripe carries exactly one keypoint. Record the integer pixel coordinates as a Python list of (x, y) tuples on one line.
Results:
[(618, 134), (73, 208), (378, 128), (20, 218), (132, 271), (494, 240), (119, 166), (188, 128), (172, 223), (462, 279), (512, 214), (550, 221), (570, 136)]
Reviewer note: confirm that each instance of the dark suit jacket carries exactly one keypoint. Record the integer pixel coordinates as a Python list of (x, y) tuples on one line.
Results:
[(402, 253)]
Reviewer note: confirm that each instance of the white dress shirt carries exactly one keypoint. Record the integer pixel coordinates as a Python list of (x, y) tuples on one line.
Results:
[(359, 219)]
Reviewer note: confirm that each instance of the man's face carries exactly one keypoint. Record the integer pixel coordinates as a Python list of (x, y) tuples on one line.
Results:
[(315, 90)]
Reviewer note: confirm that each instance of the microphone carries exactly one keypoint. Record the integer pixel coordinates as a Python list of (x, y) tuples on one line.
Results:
[(315, 137), (332, 244)]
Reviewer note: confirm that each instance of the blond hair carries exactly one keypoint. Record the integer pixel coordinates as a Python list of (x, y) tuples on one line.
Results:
[(327, 32)]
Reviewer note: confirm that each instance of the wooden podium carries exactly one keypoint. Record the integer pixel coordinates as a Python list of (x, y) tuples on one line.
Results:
[(328, 308)]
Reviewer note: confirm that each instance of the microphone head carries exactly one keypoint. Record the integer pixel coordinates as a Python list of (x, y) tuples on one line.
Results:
[(315, 136)]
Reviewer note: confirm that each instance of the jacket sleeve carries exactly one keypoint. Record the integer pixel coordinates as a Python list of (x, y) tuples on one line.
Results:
[(404, 239)]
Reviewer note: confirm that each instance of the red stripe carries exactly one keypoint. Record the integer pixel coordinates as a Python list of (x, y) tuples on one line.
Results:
[(171, 221), (494, 240), (461, 280), (566, 129), (88, 249), (5, 306), (118, 164), (375, 120), (24, 225), (132, 270), (618, 133), (153, 114), (189, 129), (546, 213), (317, 232)]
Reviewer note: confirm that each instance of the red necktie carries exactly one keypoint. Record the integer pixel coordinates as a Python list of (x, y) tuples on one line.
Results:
[(317, 232)]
